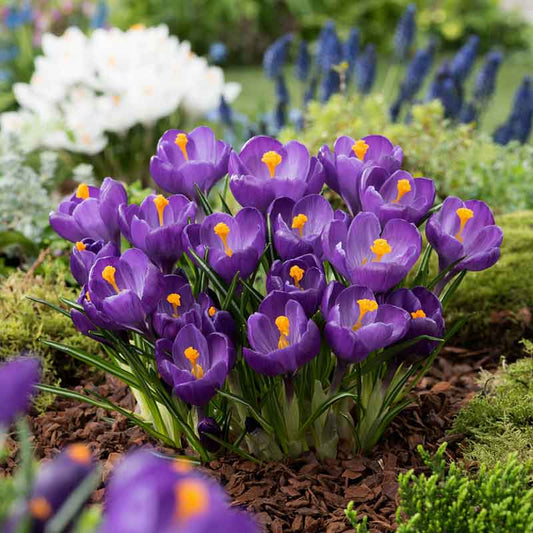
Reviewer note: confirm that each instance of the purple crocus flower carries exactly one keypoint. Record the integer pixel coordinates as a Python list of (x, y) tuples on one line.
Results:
[(235, 244), (126, 289), (176, 308), (302, 278), (265, 170), (194, 365), (208, 426), (396, 196), (298, 226), (345, 165), (91, 212), (140, 496), (332, 290), (281, 337), (85, 253), (18, 378), (152, 494), (156, 227), (55, 482), (357, 325), (214, 318), (92, 318), (184, 160), (426, 317), (464, 231), (370, 257)]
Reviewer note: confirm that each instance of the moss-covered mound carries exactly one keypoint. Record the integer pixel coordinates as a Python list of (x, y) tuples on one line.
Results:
[(499, 420), (24, 324), (500, 299)]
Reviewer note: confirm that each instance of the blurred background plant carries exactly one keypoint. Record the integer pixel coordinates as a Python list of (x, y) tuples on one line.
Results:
[(340, 61), (248, 30), (107, 97), (23, 24), (30, 183)]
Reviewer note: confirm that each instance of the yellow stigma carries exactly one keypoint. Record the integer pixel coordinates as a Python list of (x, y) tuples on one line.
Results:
[(271, 159), (380, 248), (282, 323), (88, 296), (109, 275), (40, 509), (222, 231), (296, 273), (192, 355), (192, 499), (298, 222), (365, 306), (82, 191), (79, 453), (464, 215), (160, 203), (211, 311), (80, 246), (181, 141), (403, 187), (360, 149), (419, 313), (137, 27), (174, 299)]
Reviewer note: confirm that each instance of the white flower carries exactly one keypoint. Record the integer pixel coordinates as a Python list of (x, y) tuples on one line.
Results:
[(83, 86)]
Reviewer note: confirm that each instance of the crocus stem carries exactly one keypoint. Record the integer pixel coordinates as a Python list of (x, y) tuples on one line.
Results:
[(338, 375), (289, 387), (201, 412), (439, 287)]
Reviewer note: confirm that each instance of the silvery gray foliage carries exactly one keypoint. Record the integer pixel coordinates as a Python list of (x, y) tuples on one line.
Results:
[(25, 193)]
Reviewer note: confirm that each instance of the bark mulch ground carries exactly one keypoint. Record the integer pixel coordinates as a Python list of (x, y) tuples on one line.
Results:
[(298, 495)]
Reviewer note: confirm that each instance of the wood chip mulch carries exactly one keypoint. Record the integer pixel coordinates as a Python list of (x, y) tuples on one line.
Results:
[(303, 495)]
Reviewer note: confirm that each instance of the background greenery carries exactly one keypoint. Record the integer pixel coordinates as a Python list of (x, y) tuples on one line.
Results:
[(248, 26), (257, 93)]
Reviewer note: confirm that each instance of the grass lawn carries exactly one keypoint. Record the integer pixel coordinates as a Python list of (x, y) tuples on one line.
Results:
[(258, 92)]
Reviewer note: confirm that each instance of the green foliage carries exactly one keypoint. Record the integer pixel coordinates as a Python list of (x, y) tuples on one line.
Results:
[(28, 181), (137, 192), (494, 500), (25, 324), (250, 26), (499, 299), (499, 420), (351, 516), (462, 160)]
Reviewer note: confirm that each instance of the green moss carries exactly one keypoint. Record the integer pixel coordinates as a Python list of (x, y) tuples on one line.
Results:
[(499, 420), (25, 323), (499, 299)]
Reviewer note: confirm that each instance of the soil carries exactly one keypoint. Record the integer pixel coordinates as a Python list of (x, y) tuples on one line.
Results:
[(302, 495)]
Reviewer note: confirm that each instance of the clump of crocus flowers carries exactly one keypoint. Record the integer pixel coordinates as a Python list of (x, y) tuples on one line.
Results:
[(284, 324)]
